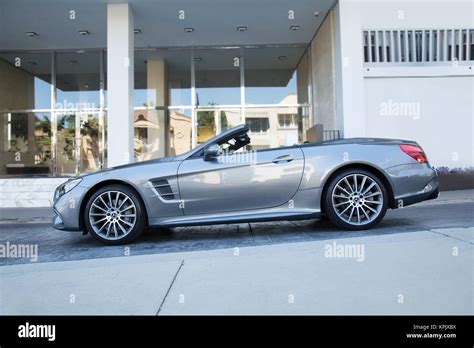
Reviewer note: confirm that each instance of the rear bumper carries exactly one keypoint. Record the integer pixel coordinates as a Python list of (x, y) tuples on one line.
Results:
[(430, 191)]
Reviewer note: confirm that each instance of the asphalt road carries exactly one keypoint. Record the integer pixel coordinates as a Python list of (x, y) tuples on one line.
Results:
[(56, 245)]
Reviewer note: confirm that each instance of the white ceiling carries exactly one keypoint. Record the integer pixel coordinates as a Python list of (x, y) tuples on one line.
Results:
[(214, 22)]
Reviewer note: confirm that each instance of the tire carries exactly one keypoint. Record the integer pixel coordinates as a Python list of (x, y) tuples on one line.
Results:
[(107, 218), (356, 208)]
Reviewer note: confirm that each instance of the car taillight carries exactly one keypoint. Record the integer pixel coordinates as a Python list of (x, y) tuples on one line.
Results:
[(415, 152)]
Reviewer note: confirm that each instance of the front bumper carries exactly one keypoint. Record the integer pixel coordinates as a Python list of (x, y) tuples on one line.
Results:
[(67, 210), (59, 224)]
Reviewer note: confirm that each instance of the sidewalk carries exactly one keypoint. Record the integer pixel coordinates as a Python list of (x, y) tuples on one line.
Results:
[(452, 197), (26, 215), (45, 214), (406, 273)]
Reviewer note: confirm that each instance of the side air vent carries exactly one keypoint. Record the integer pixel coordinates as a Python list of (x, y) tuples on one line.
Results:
[(163, 187)]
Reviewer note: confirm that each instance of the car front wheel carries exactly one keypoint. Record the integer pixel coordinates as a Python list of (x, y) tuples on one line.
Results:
[(356, 199), (115, 215)]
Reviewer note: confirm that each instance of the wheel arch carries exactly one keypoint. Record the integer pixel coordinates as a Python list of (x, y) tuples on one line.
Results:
[(98, 186), (358, 165)]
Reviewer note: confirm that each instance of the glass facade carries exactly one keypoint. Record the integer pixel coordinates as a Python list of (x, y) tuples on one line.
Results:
[(270, 75), (162, 100), (53, 105), (25, 81), (275, 126), (217, 76), (213, 121), (51, 113), (78, 80), (26, 145)]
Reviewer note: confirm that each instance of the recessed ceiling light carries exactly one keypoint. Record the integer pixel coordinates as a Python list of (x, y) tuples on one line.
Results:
[(241, 28), (295, 27), (189, 30), (197, 59), (316, 14), (83, 32), (31, 33), (137, 31), (282, 57)]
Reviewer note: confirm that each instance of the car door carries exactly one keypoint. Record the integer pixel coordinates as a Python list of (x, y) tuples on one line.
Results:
[(241, 181)]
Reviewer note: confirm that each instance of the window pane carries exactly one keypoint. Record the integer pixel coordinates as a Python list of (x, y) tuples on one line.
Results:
[(90, 140), (162, 77), (25, 81), (275, 126), (229, 118), (217, 76), (180, 127), (288, 120), (215, 121), (303, 81), (257, 124), (78, 80), (150, 136), (270, 75), (66, 144), (26, 143), (206, 125)]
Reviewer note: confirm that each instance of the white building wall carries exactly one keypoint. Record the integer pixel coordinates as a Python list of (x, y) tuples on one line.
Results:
[(436, 112), (367, 100), (349, 62)]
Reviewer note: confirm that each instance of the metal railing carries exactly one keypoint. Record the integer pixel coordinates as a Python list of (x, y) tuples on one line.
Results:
[(418, 45), (331, 134)]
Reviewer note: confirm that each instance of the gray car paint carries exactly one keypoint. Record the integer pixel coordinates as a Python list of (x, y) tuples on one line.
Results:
[(217, 186), (224, 192)]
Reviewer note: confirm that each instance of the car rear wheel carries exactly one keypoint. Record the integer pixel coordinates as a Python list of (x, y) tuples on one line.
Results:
[(356, 199), (115, 215)]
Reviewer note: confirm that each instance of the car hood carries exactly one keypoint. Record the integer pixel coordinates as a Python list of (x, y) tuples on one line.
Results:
[(137, 164), (125, 166)]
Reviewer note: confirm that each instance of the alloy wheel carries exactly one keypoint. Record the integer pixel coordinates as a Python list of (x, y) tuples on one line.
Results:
[(112, 215), (357, 199)]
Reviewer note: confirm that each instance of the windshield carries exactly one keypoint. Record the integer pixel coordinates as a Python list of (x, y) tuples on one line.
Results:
[(218, 139)]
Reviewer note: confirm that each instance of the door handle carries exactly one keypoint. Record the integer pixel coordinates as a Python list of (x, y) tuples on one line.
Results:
[(283, 159)]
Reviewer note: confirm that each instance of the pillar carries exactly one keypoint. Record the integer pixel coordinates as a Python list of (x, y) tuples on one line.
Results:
[(120, 85)]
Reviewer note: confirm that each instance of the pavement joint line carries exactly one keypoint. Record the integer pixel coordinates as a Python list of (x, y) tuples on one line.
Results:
[(447, 235), (169, 288)]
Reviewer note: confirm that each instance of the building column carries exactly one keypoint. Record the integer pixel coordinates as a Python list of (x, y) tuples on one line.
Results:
[(350, 93), (120, 71), (323, 76), (157, 95)]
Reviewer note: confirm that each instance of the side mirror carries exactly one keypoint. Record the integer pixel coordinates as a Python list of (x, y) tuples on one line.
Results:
[(211, 152)]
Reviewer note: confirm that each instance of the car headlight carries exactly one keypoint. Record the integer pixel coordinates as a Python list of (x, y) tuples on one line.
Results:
[(66, 187)]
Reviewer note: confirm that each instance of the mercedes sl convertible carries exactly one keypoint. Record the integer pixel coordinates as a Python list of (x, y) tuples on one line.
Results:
[(222, 181)]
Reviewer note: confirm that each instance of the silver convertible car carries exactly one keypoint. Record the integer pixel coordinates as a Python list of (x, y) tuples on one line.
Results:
[(351, 181)]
